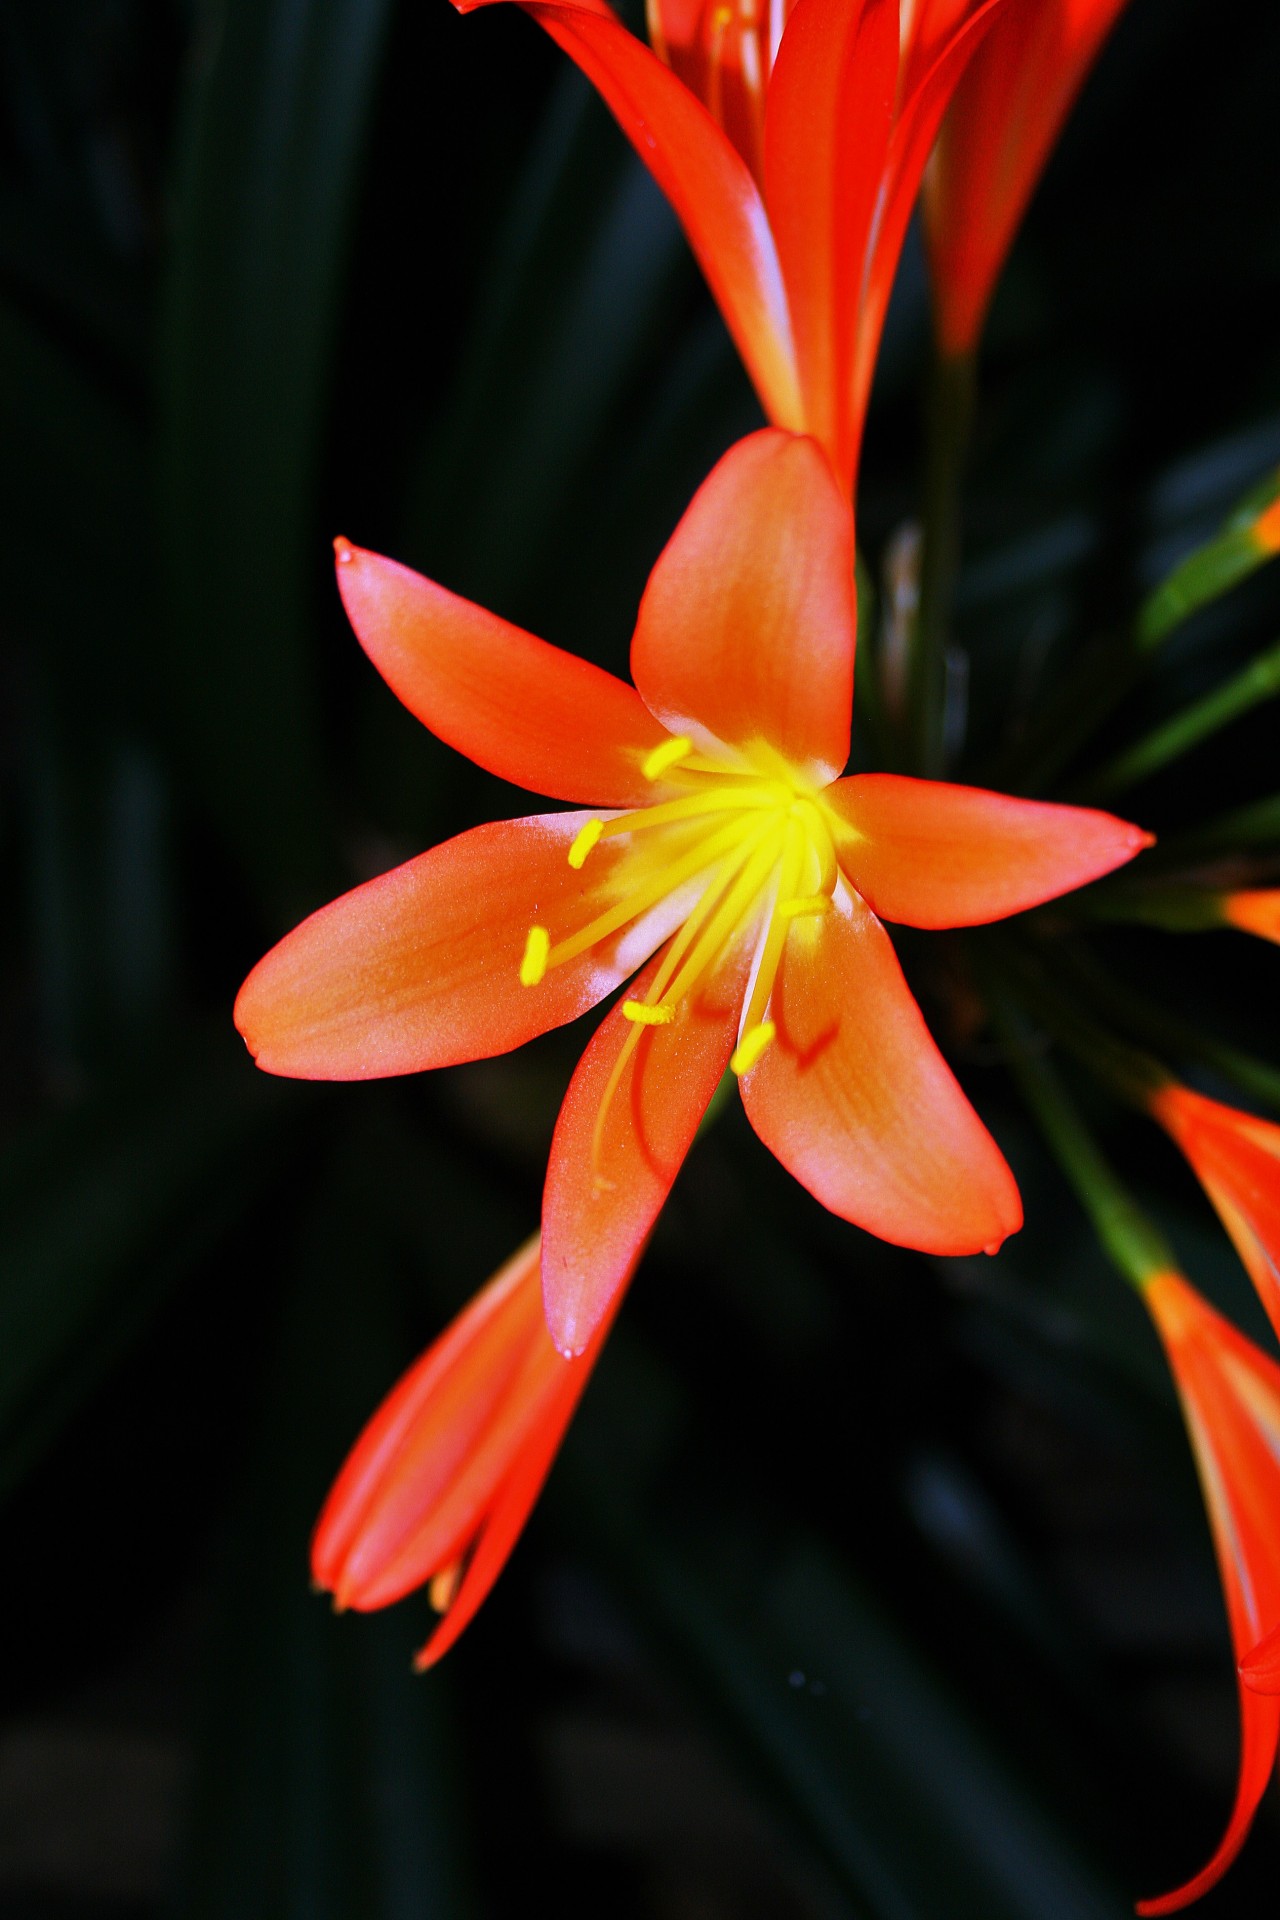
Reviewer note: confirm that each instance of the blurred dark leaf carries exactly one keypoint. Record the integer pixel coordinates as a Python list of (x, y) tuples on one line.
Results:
[(328, 1786), (280, 96), (106, 1208)]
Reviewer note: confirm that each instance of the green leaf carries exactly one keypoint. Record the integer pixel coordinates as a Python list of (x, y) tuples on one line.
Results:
[(275, 125), (1238, 550)]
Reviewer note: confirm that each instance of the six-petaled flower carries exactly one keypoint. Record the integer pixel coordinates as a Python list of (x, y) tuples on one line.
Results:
[(723, 855)]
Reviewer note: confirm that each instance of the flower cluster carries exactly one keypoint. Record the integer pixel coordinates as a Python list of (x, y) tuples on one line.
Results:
[(716, 872)]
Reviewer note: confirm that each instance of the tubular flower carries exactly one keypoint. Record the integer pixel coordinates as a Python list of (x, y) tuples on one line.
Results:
[(790, 140), (1253, 910), (723, 856), (999, 131), (1236, 1158), (440, 1483), (1230, 1394)]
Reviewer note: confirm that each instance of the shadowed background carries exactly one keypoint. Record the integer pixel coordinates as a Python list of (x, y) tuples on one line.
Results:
[(867, 1585)]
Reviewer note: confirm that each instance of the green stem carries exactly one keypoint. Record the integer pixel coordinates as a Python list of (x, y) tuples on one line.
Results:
[(1258, 682), (1172, 907), (1255, 825), (950, 414), (1133, 1244)]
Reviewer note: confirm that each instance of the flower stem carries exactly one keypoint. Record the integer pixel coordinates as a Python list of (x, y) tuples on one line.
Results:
[(1256, 683), (950, 414), (1134, 1246)]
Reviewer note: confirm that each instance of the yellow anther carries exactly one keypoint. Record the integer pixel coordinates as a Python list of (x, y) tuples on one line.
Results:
[(443, 1590), (751, 1046), (644, 1015), (655, 764), (585, 841), (810, 903), (536, 948)]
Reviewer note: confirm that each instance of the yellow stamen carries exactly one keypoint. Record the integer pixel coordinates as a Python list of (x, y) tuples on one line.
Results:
[(711, 897), (537, 947), (751, 1046), (714, 800), (443, 1590), (656, 888), (729, 915), (656, 763), (776, 938), (584, 842), (818, 834), (807, 903), (647, 1016)]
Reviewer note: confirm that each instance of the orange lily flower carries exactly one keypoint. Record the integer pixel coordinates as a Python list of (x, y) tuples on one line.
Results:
[(1253, 910), (999, 131), (723, 855), (790, 140), (440, 1483), (1236, 1158), (1230, 1394)]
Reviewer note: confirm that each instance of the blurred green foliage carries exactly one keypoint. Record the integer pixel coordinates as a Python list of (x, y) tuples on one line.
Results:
[(868, 1585)]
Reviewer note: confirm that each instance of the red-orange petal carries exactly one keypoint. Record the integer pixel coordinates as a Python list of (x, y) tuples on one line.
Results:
[(424, 1435), (747, 626), (828, 118), (421, 968), (937, 64), (930, 854), (611, 1168), (857, 1102), (1236, 1156), (524, 710), (1254, 910), (1260, 1734), (1260, 1669), (703, 176)]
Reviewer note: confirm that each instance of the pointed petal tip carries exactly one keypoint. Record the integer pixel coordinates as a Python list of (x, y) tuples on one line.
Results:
[(343, 551)]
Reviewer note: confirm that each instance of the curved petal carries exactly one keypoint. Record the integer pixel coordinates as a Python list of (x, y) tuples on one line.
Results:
[(827, 125), (857, 1102), (617, 1149), (703, 176), (1260, 1733), (925, 101), (426, 1426), (421, 968), (934, 855), (1260, 1668), (524, 710), (998, 135), (746, 630)]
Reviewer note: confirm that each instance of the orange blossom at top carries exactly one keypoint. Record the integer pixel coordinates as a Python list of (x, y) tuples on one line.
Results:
[(790, 140), (720, 852)]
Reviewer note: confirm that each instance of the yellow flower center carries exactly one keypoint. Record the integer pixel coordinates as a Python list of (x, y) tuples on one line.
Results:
[(752, 845)]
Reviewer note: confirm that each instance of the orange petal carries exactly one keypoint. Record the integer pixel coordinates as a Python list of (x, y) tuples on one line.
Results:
[(1236, 1156), (857, 1102), (1254, 910), (1260, 1734), (612, 1166), (506, 1519), (706, 180), (1002, 126), (1260, 1669), (933, 855), (421, 968), (526, 711), (828, 118), (746, 630), (940, 57), (466, 1370)]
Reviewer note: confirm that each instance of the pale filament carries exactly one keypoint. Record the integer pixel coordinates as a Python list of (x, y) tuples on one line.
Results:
[(759, 849)]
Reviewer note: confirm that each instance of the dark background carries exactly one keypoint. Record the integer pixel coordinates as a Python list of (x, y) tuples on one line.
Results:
[(866, 1585)]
